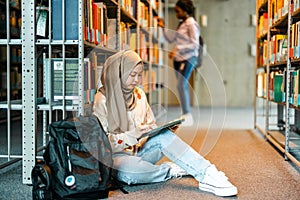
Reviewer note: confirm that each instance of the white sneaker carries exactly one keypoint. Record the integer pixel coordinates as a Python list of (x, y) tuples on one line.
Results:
[(216, 182), (176, 171), (188, 119)]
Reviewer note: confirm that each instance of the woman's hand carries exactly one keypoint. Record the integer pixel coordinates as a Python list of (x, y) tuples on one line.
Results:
[(140, 130), (172, 53), (160, 23), (174, 128)]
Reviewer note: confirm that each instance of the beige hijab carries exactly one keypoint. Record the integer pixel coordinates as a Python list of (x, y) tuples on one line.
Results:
[(116, 71)]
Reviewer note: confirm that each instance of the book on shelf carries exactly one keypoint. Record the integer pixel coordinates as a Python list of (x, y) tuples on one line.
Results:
[(265, 52), (278, 48), (95, 22), (263, 24), (133, 41), (143, 46), (143, 15), (129, 6), (261, 82), (112, 33), (295, 88), (291, 86), (99, 31), (279, 8), (271, 86), (149, 80), (71, 19), (296, 5), (124, 35), (278, 90), (295, 43), (63, 80)]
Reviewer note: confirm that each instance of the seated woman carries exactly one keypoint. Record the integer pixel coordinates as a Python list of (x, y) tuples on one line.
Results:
[(125, 114)]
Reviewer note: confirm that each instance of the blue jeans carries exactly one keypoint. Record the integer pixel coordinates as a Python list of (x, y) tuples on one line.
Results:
[(142, 167), (183, 75)]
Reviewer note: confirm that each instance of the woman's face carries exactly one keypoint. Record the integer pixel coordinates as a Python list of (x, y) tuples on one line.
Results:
[(135, 77), (180, 14)]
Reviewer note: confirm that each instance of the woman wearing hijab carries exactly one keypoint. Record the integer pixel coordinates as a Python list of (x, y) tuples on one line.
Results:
[(125, 114), (185, 53)]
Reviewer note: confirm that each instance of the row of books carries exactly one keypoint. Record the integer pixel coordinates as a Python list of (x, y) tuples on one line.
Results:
[(278, 50), (101, 30), (64, 76), (278, 47), (129, 40), (277, 88), (262, 25), (15, 78), (95, 22), (129, 6), (143, 16), (296, 4), (15, 55), (295, 40), (14, 19), (70, 15), (261, 2), (279, 8)]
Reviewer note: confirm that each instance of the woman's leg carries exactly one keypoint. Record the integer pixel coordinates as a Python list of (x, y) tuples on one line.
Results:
[(178, 151), (183, 74), (141, 169)]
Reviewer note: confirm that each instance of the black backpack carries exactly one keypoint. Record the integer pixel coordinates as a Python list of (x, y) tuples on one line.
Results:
[(200, 52), (77, 162)]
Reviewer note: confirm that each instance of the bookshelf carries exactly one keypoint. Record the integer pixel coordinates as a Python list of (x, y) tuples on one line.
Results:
[(10, 74), (56, 52), (277, 102)]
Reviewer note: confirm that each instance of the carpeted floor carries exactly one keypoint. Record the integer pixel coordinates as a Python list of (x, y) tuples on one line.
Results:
[(250, 162)]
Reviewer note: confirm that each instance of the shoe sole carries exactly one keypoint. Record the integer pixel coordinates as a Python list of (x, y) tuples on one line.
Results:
[(223, 192)]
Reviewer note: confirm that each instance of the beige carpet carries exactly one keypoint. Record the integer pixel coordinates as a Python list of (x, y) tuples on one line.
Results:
[(251, 163)]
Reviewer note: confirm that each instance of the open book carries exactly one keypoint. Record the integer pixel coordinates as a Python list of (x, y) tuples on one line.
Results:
[(156, 130)]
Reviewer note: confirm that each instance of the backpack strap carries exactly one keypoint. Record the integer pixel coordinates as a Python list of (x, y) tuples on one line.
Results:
[(117, 185)]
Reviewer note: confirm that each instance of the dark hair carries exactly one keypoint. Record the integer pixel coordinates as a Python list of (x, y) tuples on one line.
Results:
[(187, 6)]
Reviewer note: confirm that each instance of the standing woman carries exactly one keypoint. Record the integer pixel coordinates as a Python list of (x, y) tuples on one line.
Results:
[(185, 52), (125, 114)]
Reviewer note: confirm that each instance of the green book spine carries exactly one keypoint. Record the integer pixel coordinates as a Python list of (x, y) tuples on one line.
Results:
[(278, 94)]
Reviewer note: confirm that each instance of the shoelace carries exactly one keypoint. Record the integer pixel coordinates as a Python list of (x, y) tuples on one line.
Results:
[(220, 174)]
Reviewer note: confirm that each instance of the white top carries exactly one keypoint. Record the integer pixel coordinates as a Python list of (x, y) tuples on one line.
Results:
[(186, 38), (141, 114)]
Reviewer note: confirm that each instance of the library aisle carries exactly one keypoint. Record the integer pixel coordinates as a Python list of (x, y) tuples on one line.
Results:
[(250, 162)]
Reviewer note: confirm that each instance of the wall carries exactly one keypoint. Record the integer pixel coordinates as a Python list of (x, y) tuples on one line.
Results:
[(227, 75)]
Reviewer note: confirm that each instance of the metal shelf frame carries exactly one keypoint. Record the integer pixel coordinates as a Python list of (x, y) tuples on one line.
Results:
[(31, 105), (283, 110)]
